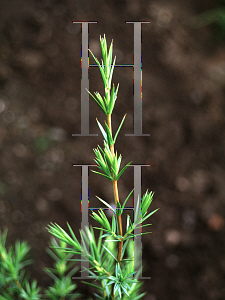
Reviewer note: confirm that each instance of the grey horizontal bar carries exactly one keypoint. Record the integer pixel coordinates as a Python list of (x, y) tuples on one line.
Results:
[(137, 22), (74, 165), (132, 134), (122, 65), (84, 22), (108, 208)]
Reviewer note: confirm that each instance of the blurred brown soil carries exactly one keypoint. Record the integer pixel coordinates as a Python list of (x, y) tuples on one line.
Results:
[(183, 110)]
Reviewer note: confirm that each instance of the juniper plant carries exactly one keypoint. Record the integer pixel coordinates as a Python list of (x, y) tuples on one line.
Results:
[(106, 256), (15, 283)]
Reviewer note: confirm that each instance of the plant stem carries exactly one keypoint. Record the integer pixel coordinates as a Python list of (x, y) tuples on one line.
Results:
[(104, 291), (116, 197), (18, 284), (3, 255)]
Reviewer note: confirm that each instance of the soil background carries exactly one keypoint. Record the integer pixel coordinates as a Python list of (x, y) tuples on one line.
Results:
[(183, 110)]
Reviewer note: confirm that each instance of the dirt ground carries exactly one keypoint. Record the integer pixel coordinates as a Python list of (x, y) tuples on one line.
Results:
[(183, 110)]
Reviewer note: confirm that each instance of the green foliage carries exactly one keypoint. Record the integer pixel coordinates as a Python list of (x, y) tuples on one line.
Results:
[(102, 255), (108, 164), (42, 143), (214, 16), (15, 284), (12, 262), (134, 293), (3, 188), (106, 103), (31, 292), (61, 273)]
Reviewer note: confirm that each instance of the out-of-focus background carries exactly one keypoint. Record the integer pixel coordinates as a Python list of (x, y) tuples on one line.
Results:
[(183, 53)]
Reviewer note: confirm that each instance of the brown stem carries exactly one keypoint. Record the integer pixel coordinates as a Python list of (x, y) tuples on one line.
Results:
[(18, 284), (116, 197)]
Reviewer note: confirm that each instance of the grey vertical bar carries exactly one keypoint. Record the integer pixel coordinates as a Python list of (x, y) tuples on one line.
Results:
[(137, 69), (137, 80), (84, 220), (137, 193), (84, 83)]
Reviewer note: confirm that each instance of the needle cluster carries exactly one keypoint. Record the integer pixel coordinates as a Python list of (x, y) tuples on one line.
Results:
[(15, 283)]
